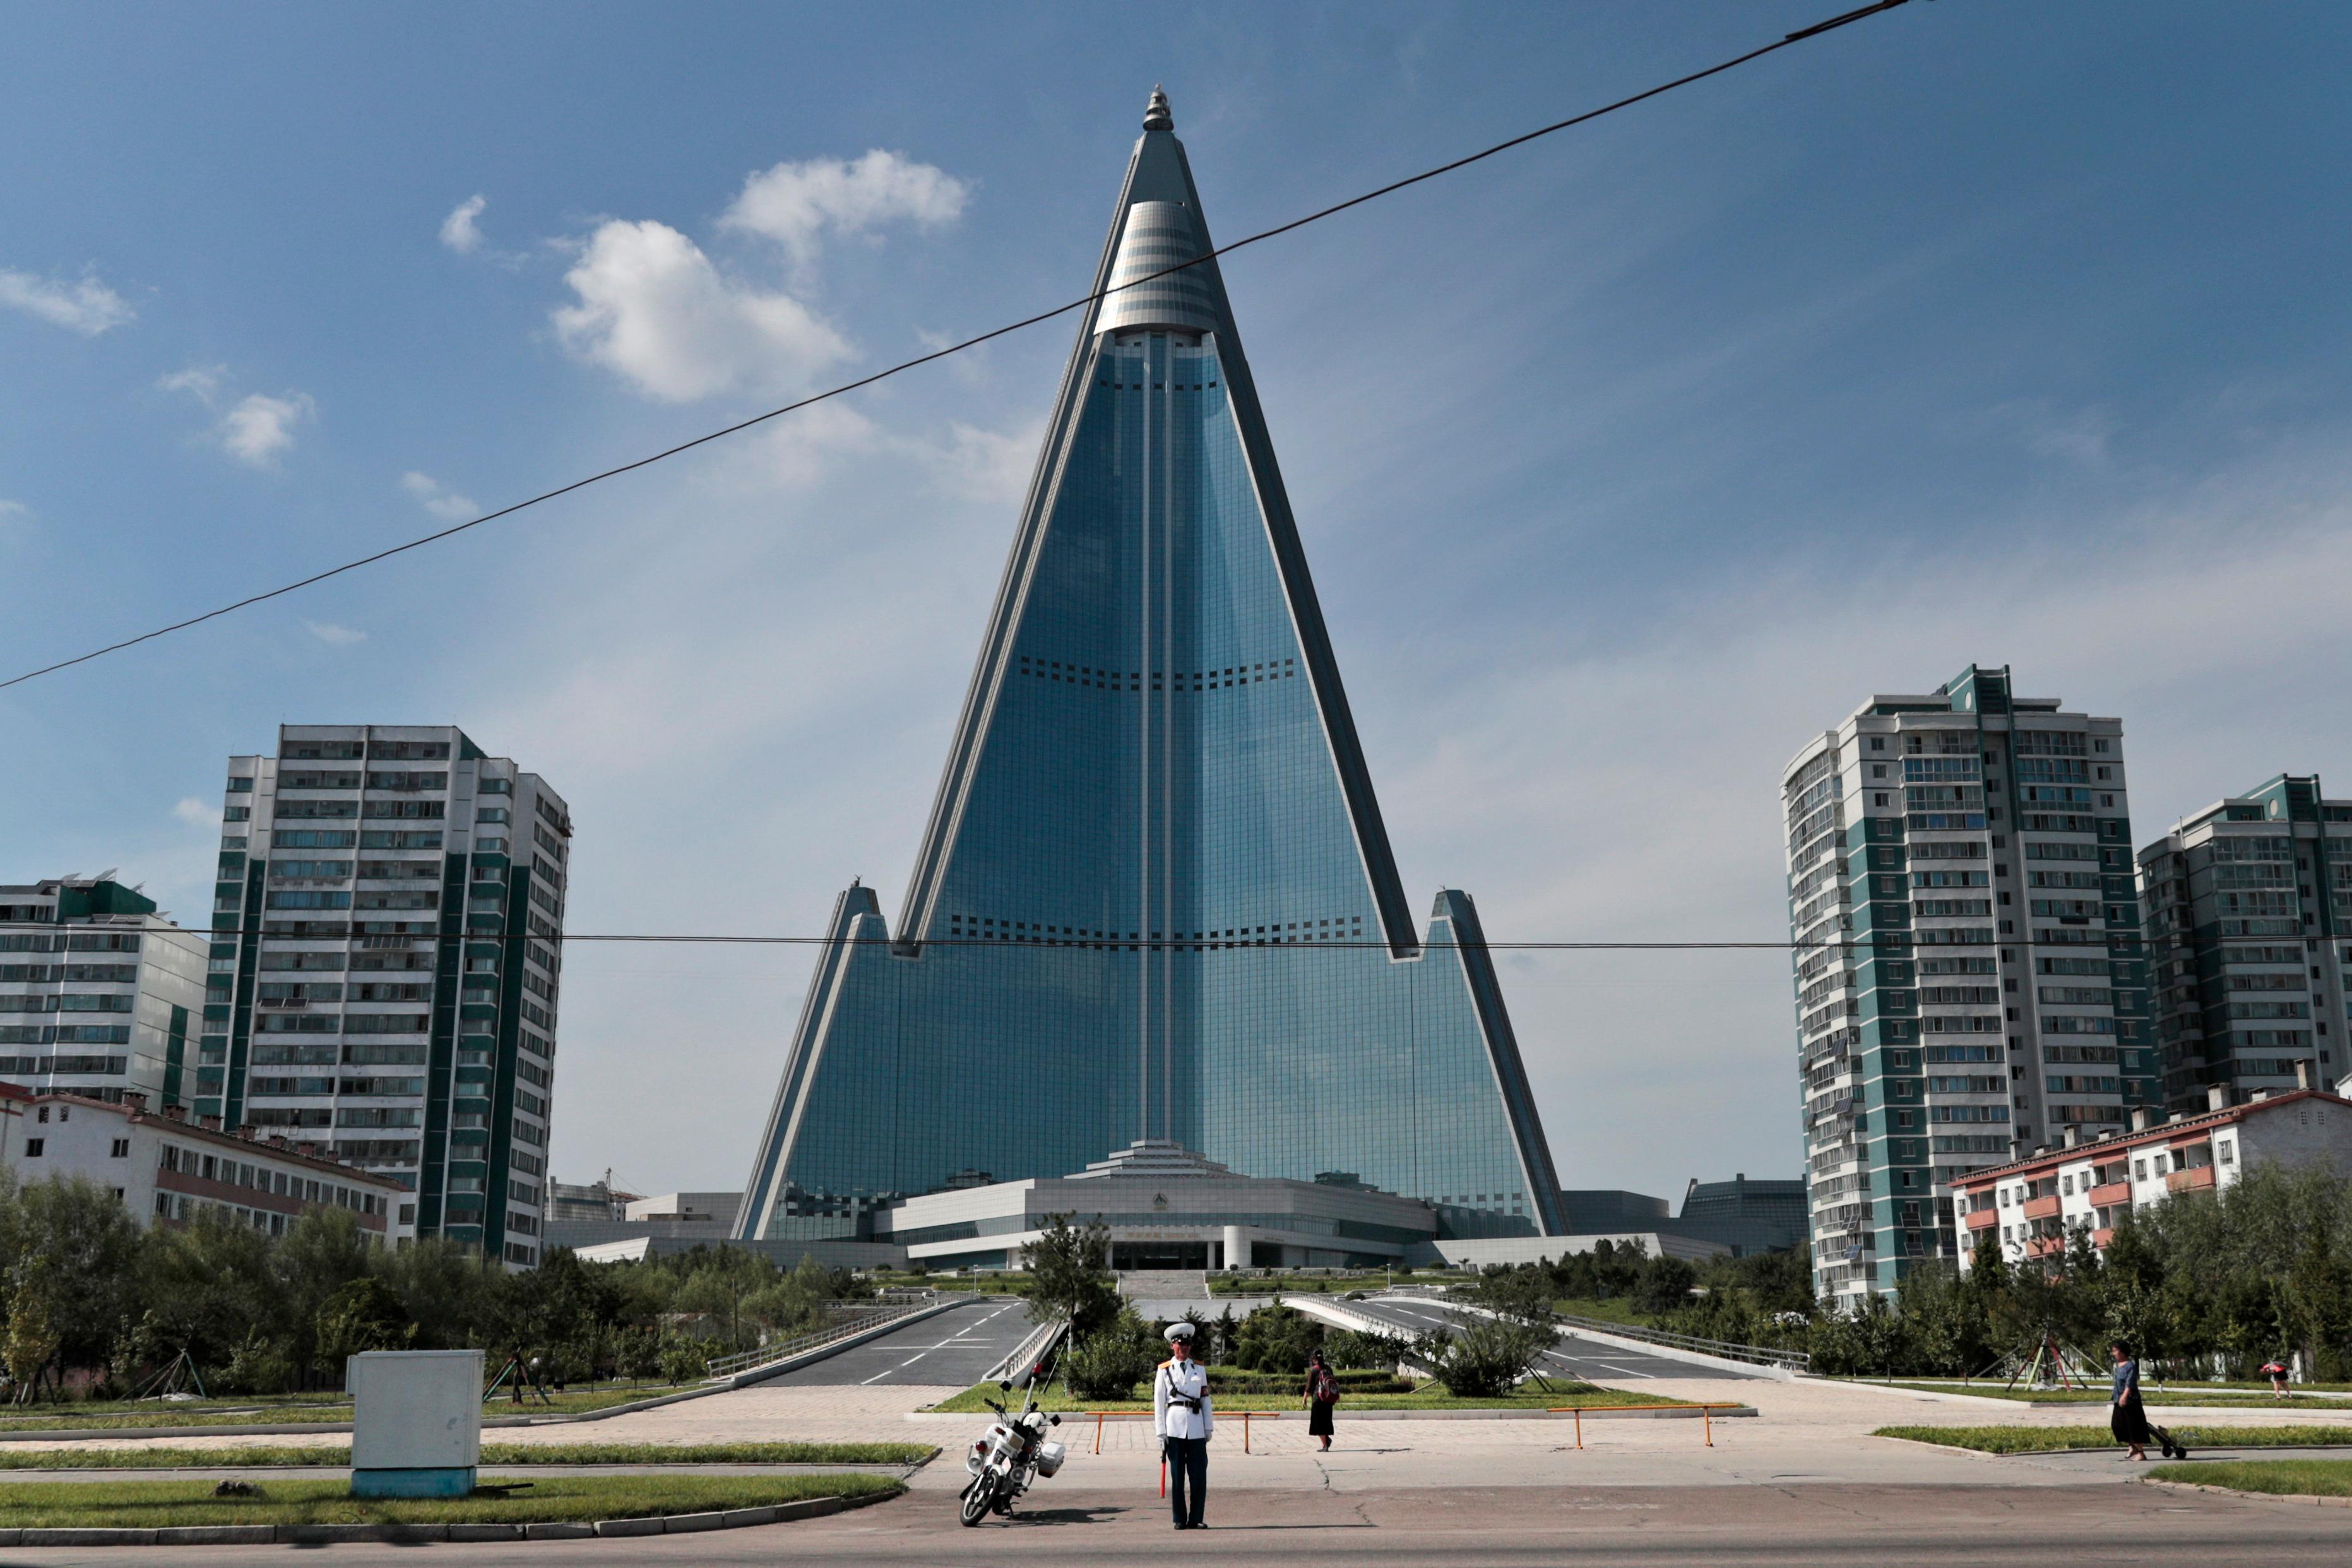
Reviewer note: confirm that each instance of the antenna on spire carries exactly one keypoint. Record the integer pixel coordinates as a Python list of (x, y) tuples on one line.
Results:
[(1156, 116)]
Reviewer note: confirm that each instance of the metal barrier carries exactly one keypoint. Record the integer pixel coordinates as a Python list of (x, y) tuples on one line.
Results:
[(900, 1304), (1705, 1412)]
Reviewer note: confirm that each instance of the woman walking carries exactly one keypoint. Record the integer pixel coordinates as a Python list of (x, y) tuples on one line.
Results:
[(2128, 1421), (1322, 1392)]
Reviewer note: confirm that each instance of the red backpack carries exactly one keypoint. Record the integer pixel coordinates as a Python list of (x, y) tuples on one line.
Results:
[(1325, 1387)]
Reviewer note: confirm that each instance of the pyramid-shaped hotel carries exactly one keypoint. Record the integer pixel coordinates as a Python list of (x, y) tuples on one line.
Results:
[(1155, 899)]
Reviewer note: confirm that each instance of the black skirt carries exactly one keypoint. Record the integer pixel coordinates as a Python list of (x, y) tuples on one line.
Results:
[(2129, 1421), (1318, 1420)]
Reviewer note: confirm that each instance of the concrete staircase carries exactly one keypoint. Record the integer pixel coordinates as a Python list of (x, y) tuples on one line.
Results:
[(1163, 1285)]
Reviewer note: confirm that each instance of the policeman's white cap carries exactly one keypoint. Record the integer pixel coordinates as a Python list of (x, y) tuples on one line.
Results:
[(1178, 1331)]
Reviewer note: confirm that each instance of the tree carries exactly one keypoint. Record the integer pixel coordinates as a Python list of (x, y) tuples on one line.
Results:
[(365, 1315), (32, 1345), (1275, 1338), (209, 1290), (322, 1251), (444, 1289), (1666, 1284), (74, 1248), (1065, 1266), (1521, 1294)]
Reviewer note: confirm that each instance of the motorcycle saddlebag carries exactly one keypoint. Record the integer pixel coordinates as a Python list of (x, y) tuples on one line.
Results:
[(1049, 1457)]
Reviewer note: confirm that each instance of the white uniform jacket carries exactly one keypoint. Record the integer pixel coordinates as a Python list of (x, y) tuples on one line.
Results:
[(1176, 1381)]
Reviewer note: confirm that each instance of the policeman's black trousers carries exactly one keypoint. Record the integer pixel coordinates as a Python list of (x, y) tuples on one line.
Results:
[(1188, 1478)]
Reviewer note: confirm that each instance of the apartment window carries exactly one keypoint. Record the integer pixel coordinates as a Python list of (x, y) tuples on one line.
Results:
[(120, 1148), (1878, 742), (2221, 1151), (33, 1147)]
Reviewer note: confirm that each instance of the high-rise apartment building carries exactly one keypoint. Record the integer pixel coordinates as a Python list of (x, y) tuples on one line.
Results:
[(2249, 912), (98, 993), (1969, 977), (1155, 900), (386, 955)]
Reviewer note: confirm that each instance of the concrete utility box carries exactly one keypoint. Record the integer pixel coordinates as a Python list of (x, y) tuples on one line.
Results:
[(417, 1423)]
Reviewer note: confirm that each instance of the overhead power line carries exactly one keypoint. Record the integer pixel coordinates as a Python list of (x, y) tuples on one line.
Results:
[(1393, 187)]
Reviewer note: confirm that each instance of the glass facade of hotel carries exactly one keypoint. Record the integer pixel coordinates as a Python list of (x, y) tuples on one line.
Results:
[(1155, 897)]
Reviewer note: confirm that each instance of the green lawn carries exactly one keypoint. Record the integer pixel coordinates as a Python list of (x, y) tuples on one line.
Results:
[(2294, 1478), (2049, 1439), (146, 1505), (109, 1415), (23, 1458), (2219, 1396), (1433, 1398)]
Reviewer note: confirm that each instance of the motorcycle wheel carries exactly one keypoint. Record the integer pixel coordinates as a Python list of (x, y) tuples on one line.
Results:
[(977, 1500)]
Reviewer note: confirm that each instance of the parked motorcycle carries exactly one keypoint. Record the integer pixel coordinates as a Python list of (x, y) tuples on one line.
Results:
[(1008, 1458)]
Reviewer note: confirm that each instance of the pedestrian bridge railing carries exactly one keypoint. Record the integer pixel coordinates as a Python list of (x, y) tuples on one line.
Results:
[(1758, 1355), (891, 1308)]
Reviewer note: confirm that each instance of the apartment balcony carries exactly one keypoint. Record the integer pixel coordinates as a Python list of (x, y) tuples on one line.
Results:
[(2115, 1194), (2045, 1246), (2101, 1237), (1983, 1219), (2041, 1208), (2197, 1179)]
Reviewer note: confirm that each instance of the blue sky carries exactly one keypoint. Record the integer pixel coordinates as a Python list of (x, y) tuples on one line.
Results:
[(1980, 331)]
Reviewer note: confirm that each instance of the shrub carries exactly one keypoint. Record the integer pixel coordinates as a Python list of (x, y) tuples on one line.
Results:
[(1488, 1357), (1349, 1348), (1110, 1362), (683, 1361)]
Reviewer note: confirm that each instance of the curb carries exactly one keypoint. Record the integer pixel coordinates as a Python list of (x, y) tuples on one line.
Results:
[(324, 1534), (2252, 1497)]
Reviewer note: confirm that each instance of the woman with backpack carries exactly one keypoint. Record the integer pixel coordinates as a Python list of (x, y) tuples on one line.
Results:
[(1322, 1392)]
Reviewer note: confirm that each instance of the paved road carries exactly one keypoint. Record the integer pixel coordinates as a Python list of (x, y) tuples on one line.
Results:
[(1791, 1525), (957, 1346), (1593, 1361)]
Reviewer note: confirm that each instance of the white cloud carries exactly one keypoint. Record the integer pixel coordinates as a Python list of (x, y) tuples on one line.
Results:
[(332, 634), (9, 509), (202, 381), (652, 308), (458, 231), (796, 204), (197, 814), (438, 500), (985, 469), (87, 307), (260, 427)]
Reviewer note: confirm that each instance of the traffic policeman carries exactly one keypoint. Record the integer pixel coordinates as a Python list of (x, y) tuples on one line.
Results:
[(1186, 1420)]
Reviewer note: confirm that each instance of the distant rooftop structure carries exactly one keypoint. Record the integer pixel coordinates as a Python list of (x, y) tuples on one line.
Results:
[(1156, 1159)]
